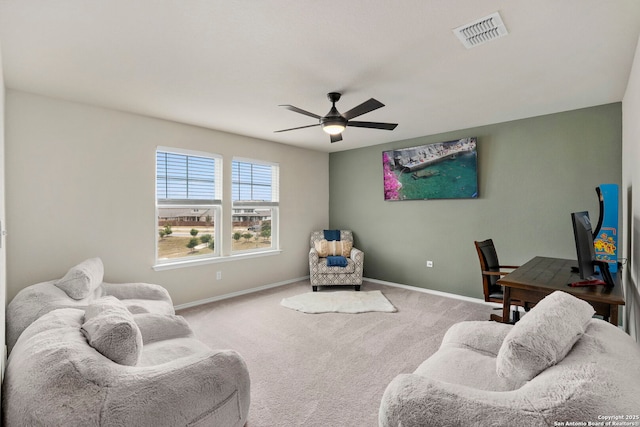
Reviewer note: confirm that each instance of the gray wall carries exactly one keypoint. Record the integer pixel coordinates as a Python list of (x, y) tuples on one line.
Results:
[(631, 197), (3, 255), (532, 174), (81, 183)]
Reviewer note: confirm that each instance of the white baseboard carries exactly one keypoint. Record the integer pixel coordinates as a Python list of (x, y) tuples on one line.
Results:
[(237, 294), (366, 279), (434, 292), (299, 279)]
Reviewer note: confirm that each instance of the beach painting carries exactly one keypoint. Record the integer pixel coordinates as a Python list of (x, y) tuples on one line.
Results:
[(442, 170)]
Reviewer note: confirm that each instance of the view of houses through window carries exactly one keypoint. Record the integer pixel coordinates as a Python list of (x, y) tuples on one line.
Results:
[(251, 229), (254, 191), (189, 205), (185, 232)]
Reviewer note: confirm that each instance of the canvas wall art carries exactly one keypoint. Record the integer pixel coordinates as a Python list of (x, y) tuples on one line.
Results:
[(442, 170)]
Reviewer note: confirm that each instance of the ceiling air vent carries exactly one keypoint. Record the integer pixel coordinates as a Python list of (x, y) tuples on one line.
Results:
[(481, 31)]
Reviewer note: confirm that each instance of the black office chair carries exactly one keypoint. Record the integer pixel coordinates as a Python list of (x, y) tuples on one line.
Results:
[(491, 272)]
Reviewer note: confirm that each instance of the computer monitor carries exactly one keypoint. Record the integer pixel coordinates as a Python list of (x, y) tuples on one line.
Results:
[(583, 235)]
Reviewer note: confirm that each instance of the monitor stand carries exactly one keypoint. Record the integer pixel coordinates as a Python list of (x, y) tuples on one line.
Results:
[(606, 277), (605, 273)]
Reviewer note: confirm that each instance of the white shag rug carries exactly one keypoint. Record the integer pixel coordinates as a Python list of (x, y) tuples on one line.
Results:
[(339, 302)]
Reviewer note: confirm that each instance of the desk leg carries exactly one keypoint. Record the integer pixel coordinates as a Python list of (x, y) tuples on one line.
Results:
[(613, 314), (506, 304)]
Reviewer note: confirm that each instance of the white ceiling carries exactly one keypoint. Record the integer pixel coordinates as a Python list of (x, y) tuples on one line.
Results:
[(227, 65)]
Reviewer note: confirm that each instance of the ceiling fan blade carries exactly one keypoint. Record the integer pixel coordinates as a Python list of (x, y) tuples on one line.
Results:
[(365, 107), (373, 125), (301, 127), (300, 110), (336, 138)]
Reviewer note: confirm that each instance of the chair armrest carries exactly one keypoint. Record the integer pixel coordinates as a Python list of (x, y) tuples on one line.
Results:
[(136, 291), (160, 327), (357, 255), (482, 336), (412, 400), (495, 273), (204, 389), (313, 256)]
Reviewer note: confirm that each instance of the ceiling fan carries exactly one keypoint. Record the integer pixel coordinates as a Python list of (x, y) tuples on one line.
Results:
[(334, 123)]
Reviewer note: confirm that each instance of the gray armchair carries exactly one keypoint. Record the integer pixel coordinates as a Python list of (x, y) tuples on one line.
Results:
[(323, 275)]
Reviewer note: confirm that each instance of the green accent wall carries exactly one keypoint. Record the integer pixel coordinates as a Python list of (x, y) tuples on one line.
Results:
[(532, 174)]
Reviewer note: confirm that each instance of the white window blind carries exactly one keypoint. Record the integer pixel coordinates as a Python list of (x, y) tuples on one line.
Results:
[(187, 179), (254, 183), (188, 205), (255, 198)]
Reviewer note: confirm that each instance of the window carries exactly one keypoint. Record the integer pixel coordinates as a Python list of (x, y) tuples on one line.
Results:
[(254, 192), (188, 204)]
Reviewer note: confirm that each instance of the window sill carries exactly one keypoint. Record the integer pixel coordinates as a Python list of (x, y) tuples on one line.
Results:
[(203, 261)]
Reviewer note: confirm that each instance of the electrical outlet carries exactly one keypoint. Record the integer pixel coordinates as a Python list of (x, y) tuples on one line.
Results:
[(218, 275), (429, 264)]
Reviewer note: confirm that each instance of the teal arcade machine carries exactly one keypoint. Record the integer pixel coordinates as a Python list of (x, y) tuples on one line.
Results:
[(605, 235)]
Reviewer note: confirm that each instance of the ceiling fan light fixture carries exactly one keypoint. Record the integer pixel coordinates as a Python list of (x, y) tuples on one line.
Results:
[(335, 123), (333, 128)]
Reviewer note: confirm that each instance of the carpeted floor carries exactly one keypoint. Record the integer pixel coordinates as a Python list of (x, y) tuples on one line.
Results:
[(326, 369)]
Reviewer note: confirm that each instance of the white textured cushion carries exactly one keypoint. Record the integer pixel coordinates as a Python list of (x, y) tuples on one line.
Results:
[(111, 329), (82, 279), (543, 337)]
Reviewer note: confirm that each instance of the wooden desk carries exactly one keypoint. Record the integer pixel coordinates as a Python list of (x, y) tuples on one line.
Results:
[(542, 276)]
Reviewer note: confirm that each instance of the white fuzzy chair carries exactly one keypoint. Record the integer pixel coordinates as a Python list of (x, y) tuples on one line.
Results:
[(104, 366), (557, 364), (77, 289)]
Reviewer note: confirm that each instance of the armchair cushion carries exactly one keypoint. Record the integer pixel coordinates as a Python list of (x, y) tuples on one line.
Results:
[(544, 336), (474, 343), (166, 337), (158, 327), (82, 279), (333, 248), (481, 336), (323, 267), (110, 328), (140, 297)]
